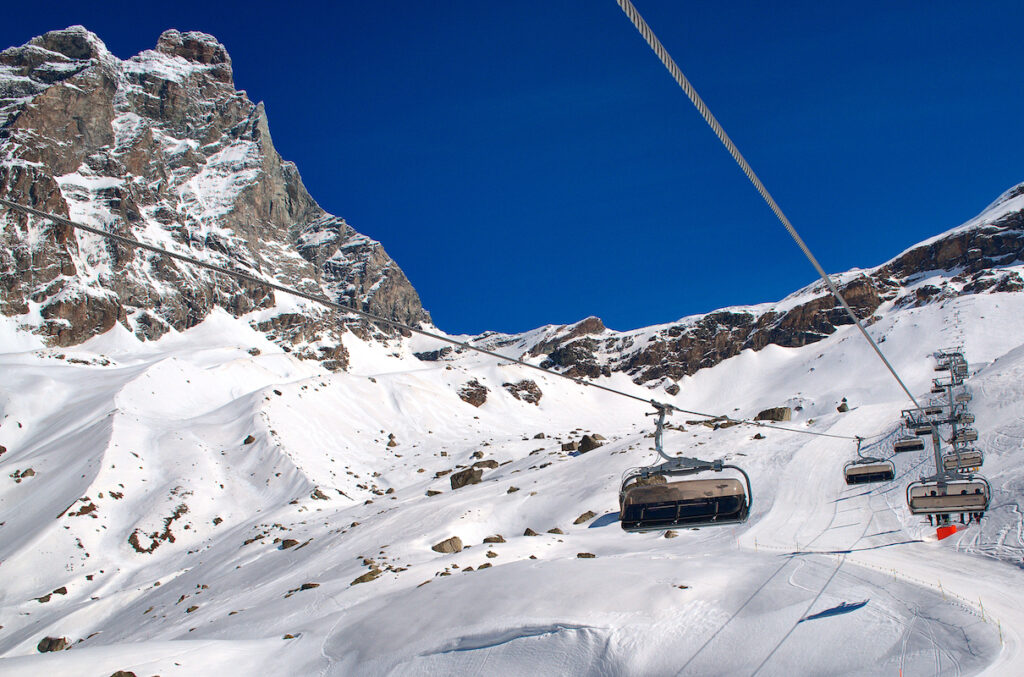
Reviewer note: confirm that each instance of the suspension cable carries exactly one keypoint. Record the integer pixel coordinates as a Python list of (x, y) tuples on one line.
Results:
[(677, 74), (323, 300)]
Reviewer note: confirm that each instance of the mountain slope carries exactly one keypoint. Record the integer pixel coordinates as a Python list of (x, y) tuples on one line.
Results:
[(254, 513)]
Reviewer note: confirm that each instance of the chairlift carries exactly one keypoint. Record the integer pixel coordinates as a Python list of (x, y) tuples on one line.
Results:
[(949, 493), (965, 417), (932, 411), (938, 389), (962, 397), (922, 429), (966, 460), (942, 366), (965, 435), (867, 469), (908, 443), (649, 502)]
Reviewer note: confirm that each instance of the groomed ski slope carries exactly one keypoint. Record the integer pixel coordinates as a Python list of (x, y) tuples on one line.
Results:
[(823, 579)]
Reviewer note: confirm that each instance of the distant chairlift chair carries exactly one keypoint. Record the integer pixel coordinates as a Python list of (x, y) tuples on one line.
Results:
[(908, 443), (965, 435), (867, 469), (963, 460)]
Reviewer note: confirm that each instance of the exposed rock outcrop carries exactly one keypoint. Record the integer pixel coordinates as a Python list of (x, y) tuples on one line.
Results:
[(525, 390), (473, 392)]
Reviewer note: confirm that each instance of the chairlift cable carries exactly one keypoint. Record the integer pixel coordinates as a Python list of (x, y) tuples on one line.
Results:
[(677, 74), (323, 300)]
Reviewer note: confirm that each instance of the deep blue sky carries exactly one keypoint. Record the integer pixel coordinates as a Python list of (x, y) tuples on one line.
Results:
[(531, 162)]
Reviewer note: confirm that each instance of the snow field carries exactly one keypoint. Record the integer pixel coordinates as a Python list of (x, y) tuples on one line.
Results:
[(163, 424)]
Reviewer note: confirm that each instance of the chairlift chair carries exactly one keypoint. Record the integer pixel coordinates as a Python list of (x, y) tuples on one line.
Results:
[(965, 435), (949, 493), (649, 502), (965, 417), (922, 429), (868, 470), (932, 411), (942, 366), (938, 389), (964, 460), (908, 443), (962, 397)]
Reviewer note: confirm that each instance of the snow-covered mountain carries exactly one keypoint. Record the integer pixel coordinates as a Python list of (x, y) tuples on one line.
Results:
[(162, 147), (186, 496), (983, 255)]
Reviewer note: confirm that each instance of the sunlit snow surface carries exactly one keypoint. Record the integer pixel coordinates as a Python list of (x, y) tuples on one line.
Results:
[(140, 429)]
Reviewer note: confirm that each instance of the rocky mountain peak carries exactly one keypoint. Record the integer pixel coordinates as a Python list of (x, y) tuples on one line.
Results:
[(197, 47), (75, 42), (163, 148)]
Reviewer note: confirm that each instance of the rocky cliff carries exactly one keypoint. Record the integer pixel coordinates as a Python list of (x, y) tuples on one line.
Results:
[(163, 148), (981, 256)]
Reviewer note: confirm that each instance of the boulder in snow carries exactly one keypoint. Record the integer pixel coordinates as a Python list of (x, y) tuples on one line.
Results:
[(467, 476), (448, 545), (775, 414), (585, 517), (48, 644)]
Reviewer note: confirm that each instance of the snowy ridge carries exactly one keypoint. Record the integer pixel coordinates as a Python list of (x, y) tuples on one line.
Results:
[(1010, 202)]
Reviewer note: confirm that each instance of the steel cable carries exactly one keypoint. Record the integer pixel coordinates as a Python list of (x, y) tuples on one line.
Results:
[(677, 74), (323, 300)]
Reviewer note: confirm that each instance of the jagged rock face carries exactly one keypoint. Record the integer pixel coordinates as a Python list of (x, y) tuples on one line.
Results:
[(161, 147)]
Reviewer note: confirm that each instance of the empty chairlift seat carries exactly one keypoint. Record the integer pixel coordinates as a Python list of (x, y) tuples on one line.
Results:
[(965, 459), (965, 417), (938, 497), (922, 429), (645, 507), (861, 472), (908, 444), (933, 411), (962, 397), (938, 389)]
